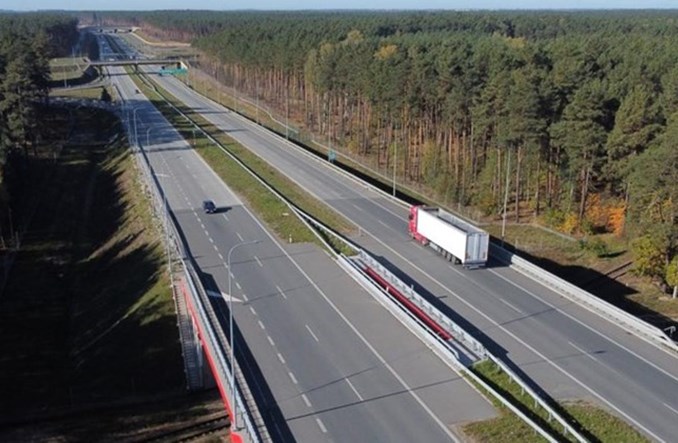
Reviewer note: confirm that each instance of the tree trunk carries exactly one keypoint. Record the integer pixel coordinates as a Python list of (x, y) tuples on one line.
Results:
[(584, 194)]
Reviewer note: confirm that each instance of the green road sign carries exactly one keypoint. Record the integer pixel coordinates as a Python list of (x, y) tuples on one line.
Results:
[(174, 71)]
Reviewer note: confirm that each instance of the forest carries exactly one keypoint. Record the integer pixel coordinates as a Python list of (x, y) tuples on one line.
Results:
[(571, 115), (27, 42)]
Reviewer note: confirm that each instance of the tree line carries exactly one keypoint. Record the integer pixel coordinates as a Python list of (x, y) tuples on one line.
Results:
[(572, 116), (27, 41)]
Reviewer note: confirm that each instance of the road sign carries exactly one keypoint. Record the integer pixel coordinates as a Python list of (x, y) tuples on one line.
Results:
[(174, 71)]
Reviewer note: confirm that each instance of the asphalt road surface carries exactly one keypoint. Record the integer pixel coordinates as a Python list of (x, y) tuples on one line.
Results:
[(563, 348), (326, 362)]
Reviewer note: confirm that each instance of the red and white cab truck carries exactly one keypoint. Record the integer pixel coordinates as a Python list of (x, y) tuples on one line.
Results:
[(449, 235)]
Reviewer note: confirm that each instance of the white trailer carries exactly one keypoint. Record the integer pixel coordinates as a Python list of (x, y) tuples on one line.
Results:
[(448, 234)]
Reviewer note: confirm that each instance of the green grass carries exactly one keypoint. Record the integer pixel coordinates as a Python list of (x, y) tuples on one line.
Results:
[(594, 423), (273, 211), (66, 68), (87, 315), (93, 93)]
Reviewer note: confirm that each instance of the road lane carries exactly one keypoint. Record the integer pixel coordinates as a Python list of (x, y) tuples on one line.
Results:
[(489, 299), (309, 381)]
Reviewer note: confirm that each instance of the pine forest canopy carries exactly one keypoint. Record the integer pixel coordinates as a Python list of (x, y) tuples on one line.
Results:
[(579, 108), (27, 41)]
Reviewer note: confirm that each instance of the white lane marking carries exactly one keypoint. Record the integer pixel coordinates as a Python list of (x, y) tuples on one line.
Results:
[(583, 351), (280, 357), (278, 139), (238, 285), (357, 207), (510, 306), (383, 224), (312, 334), (600, 334), (306, 400), (239, 236), (281, 292), (215, 247), (258, 261), (253, 311), (321, 425), (221, 257), (672, 409), (244, 296), (261, 325), (226, 217), (207, 233), (294, 379), (360, 397), (270, 340), (443, 427), (509, 334), (201, 225)]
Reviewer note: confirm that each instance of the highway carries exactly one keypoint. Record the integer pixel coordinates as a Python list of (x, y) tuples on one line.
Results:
[(566, 350), (325, 361)]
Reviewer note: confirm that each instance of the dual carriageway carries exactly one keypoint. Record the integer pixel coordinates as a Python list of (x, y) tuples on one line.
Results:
[(334, 365)]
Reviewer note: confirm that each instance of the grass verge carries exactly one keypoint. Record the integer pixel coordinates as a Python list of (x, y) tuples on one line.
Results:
[(566, 259), (93, 93), (87, 316), (594, 423), (273, 211)]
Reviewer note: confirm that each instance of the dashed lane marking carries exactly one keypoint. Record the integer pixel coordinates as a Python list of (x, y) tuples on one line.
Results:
[(312, 334), (306, 400)]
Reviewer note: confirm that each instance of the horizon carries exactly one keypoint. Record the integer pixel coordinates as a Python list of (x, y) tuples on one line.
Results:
[(18, 6)]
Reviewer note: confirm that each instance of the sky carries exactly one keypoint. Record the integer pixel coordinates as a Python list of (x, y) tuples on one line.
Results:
[(136, 5)]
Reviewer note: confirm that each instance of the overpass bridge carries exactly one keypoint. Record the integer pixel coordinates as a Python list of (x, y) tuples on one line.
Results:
[(174, 63)]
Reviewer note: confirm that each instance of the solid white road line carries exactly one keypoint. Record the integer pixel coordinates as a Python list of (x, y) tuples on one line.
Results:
[(671, 409), (511, 306), (583, 351)]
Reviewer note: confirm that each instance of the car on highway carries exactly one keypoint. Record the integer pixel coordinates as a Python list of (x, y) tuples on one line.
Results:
[(209, 207)]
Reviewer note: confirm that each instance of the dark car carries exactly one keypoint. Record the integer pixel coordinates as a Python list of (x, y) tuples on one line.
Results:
[(209, 207)]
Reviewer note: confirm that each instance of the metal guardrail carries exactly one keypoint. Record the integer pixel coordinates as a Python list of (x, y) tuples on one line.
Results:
[(436, 343), (583, 298), (197, 293), (476, 345), (457, 331), (215, 345), (574, 293)]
